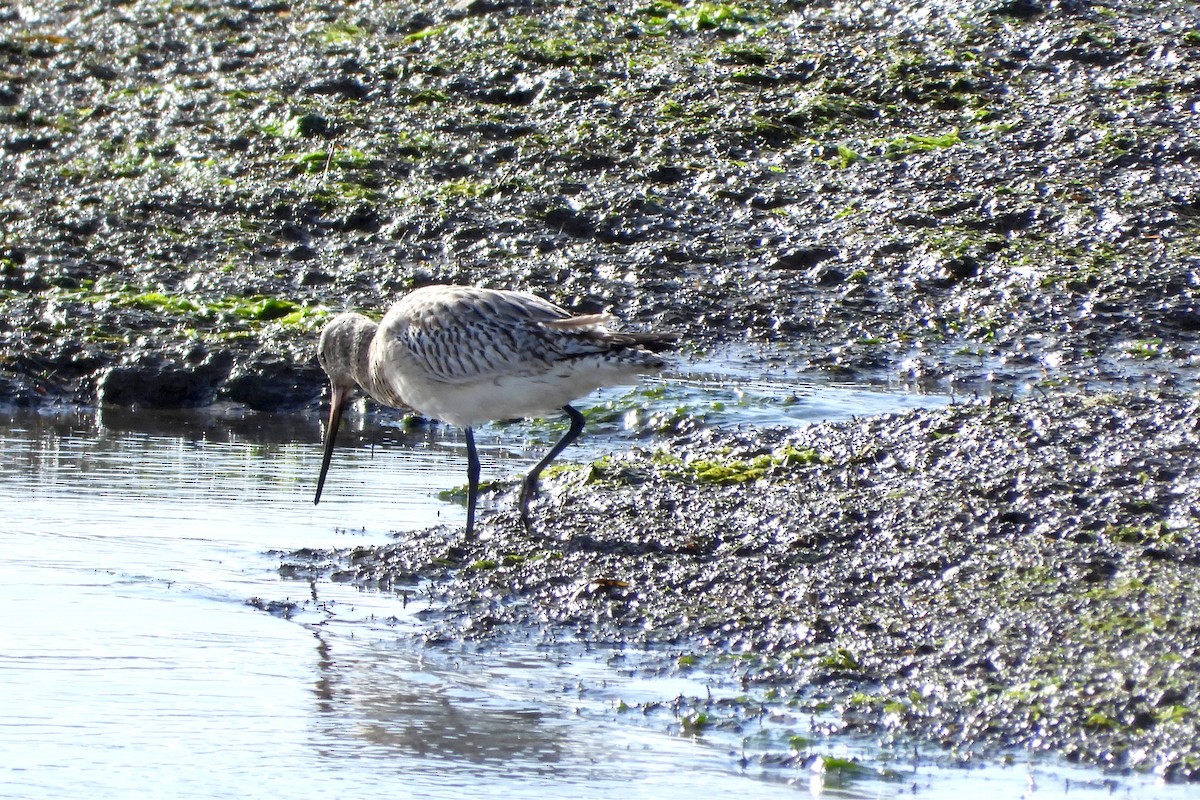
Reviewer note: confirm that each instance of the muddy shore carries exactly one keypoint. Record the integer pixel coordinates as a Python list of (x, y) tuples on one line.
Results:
[(996, 196), (960, 192), (987, 575)]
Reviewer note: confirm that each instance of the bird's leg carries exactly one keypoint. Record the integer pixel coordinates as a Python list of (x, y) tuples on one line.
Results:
[(529, 486), (472, 482)]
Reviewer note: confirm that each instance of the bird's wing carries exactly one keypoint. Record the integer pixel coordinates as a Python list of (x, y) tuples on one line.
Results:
[(473, 334)]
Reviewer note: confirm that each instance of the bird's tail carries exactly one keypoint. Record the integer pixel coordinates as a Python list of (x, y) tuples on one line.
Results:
[(654, 342), (594, 327)]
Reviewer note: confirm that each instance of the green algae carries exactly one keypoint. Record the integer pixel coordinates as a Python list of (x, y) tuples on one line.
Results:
[(719, 471), (254, 309), (715, 470)]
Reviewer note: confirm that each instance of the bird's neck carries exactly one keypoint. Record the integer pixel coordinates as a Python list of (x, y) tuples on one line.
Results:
[(369, 378)]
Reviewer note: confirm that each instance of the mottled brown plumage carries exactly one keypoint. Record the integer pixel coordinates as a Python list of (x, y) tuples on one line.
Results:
[(467, 356)]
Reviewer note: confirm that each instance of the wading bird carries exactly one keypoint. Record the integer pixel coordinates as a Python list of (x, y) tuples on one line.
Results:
[(468, 356)]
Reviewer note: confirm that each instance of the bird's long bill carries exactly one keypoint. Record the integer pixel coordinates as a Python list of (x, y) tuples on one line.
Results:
[(337, 401)]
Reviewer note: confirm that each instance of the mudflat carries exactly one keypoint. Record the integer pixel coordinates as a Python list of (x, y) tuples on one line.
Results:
[(993, 197)]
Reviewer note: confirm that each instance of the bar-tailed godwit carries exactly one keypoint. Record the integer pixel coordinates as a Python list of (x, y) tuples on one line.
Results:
[(467, 356)]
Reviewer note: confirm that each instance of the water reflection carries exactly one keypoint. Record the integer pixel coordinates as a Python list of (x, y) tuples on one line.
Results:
[(522, 721), (404, 706)]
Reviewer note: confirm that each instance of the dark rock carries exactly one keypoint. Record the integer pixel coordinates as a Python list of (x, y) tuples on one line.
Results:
[(269, 382), (1004, 220), (803, 258), (155, 381), (1020, 9), (960, 268), (472, 8), (345, 86), (564, 219), (917, 220), (315, 277), (667, 174), (302, 252), (365, 218), (826, 276), (1093, 56), (101, 72), (312, 125), (514, 94), (24, 144), (1185, 319)]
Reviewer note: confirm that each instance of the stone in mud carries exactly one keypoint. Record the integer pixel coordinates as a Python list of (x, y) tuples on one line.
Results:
[(1020, 9), (364, 218), (313, 125), (20, 392), (271, 382), (156, 381), (17, 275), (315, 277), (301, 252), (804, 257), (471, 8), (346, 87)]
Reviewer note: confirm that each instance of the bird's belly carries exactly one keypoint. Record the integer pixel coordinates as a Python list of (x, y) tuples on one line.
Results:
[(509, 397)]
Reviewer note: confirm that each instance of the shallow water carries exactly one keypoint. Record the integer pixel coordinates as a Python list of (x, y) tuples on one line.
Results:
[(132, 664)]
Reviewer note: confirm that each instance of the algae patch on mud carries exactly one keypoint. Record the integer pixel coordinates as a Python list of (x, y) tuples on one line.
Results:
[(715, 469)]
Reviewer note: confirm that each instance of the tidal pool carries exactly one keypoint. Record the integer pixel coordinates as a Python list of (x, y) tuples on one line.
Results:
[(140, 549)]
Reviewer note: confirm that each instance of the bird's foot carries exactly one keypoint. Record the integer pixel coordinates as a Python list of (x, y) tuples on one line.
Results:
[(526, 495)]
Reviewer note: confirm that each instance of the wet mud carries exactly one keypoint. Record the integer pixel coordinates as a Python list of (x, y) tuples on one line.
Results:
[(988, 575), (985, 196), (961, 192)]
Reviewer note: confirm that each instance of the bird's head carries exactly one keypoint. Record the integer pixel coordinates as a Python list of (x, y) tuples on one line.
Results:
[(344, 348), (343, 352)]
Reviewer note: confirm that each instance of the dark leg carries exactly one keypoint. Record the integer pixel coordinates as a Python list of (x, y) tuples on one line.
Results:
[(472, 482), (530, 486)]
